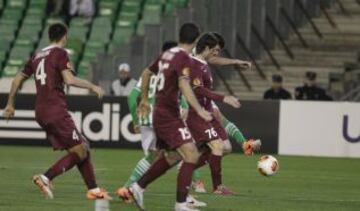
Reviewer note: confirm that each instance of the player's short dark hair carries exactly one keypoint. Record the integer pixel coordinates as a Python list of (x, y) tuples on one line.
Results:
[(168, 44), (57, 31), (311, 76), (220, 39), (277, 78), (189, 32), (206, 40)]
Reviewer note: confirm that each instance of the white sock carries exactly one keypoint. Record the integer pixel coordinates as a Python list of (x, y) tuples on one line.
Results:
[(96, 190), (137, 187), (45, 179)]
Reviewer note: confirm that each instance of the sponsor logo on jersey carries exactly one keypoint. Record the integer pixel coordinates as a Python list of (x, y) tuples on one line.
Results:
[(186, 71), (196, 82)]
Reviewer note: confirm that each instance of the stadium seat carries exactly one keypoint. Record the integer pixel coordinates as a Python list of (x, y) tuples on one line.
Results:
[(123, 34), (10, 71)]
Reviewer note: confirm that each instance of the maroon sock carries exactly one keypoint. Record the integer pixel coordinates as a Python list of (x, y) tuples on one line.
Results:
[(184, 181), (215, 168), (62, 165), (203, 159), (155, 171), (87, 172)]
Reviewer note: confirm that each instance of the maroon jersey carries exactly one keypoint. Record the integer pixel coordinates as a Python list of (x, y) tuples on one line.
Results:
[(46, 65), (170, 66)]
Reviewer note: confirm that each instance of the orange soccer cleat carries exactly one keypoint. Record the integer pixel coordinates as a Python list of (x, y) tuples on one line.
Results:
[(251, 145), (44, 185), (124, 194), (98, 193)]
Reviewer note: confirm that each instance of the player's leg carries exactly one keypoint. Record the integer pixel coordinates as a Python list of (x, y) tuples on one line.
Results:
[(190, 156), (157, 169), (148, 142), (249, 146), (214, 160), (62, 165)]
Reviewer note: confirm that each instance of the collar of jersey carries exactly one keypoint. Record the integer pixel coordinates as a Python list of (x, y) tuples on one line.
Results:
[(200, 60), (50, 47)]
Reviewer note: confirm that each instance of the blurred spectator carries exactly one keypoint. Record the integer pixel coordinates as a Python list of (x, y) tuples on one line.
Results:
[(277, 92), (82, 8), (56, 7), (310, 91), (123, 85)]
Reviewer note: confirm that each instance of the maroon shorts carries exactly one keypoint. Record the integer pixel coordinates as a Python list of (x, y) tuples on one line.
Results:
[(219, 129), (172, 135), (201, 130), (61, 132)]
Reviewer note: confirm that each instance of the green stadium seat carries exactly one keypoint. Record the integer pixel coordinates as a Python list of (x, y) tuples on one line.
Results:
[(50, 21), (78, 33), (107, 8), (29, 32), (11, 70), (83, 69), (12, 14), (152, 13), (38, 4), (122, 34), (38, 11), (19, 54), (16, 3), (178, 3), (78, 22), (32, 20)]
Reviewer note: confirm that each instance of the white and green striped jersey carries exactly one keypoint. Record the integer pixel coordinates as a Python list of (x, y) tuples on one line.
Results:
[(147, 121)]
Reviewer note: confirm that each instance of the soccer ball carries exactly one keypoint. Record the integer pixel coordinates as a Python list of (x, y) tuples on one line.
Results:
[(267, 165)]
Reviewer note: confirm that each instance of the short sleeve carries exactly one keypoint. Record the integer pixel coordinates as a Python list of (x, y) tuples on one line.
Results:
[(63, 61), (28, 70), (183, 69), (154, 67)]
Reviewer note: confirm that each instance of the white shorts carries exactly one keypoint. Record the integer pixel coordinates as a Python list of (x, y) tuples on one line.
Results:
[(148, 139)]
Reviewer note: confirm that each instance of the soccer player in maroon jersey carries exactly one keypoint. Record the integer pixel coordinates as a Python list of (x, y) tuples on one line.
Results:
[(208, 47), (173, 68), (52, 69), (210, 135)]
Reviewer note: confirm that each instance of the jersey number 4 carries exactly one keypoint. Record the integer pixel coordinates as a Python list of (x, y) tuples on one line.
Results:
[(40, 72)]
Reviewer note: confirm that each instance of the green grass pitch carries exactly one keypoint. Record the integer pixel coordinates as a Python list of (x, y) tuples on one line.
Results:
[(302, 183)]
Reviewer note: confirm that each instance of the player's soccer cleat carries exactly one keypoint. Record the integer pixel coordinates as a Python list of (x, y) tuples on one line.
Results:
[(194, 202), (44, 185), (98, 193), (223, 191), (199, 186), (251, 145), (185, 207), (137, 194), (124, 194)]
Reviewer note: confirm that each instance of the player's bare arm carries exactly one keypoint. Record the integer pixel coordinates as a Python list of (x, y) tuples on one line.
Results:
[(222, 61), (9, 110), (144, 106), (228, 99), (71, 80), (191, 99)]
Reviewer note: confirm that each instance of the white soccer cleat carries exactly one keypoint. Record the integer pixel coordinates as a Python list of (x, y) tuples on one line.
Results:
[(195, 203), (138, 194), (184, 207), (44, 185)]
